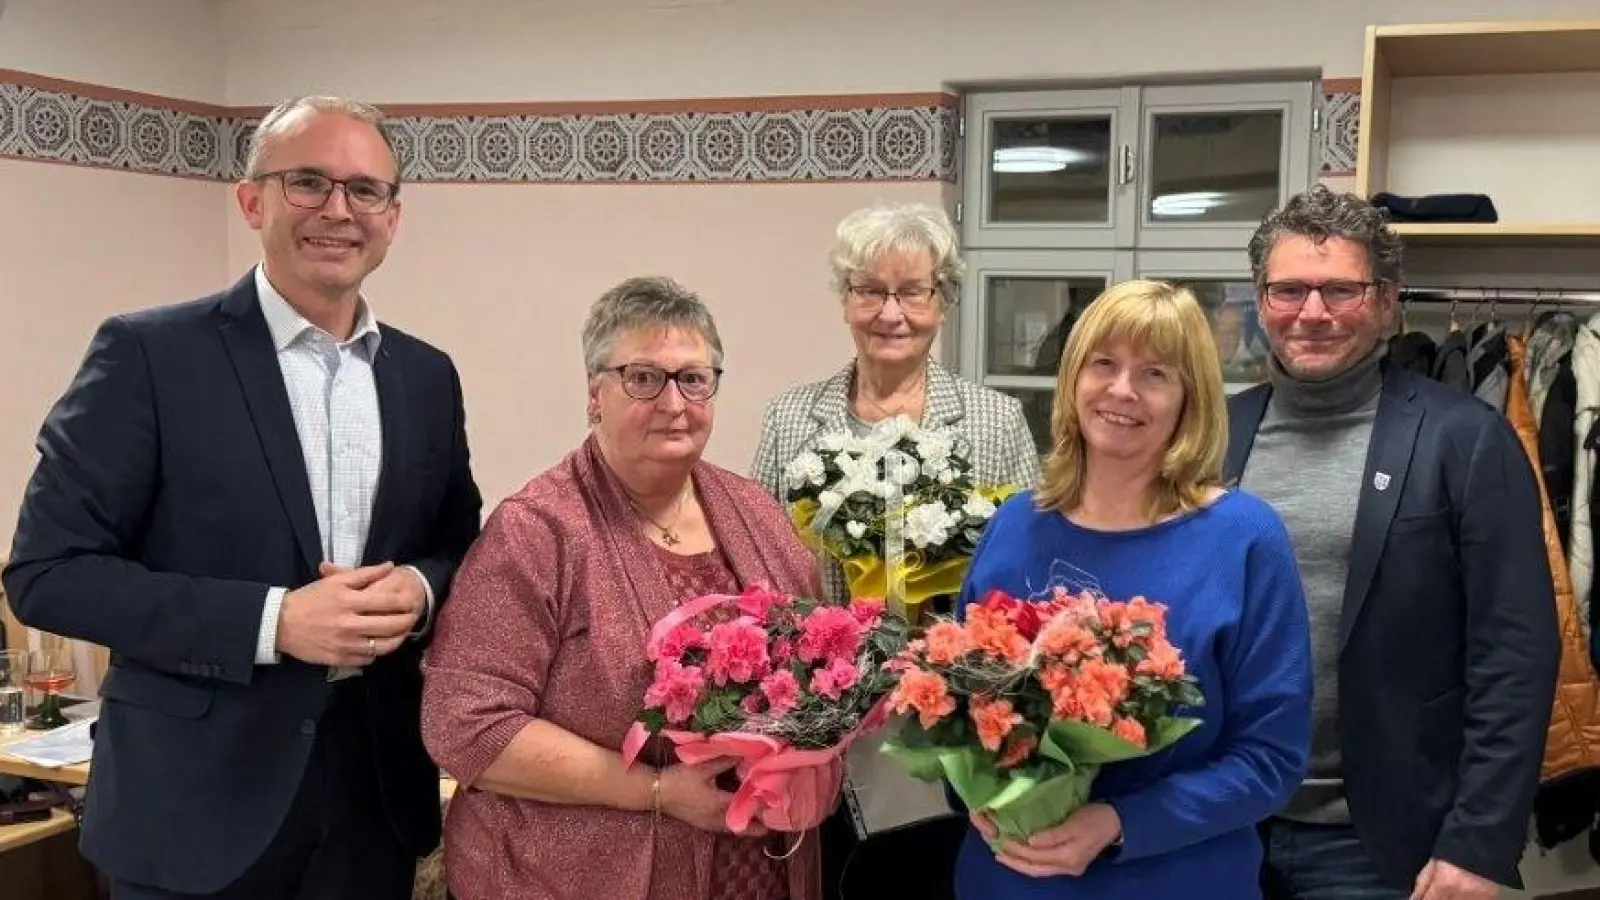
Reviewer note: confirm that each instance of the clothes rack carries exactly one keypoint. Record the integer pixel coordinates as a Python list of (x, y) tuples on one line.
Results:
[(1512, 296)]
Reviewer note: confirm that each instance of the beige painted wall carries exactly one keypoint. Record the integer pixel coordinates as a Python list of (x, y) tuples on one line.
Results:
[(501, 276), (629, 49)]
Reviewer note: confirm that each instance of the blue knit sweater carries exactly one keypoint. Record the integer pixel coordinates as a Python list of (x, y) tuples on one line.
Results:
[(1236, 611)]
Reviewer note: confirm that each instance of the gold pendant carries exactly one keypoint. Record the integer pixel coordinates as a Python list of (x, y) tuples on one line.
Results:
[(668, 538)]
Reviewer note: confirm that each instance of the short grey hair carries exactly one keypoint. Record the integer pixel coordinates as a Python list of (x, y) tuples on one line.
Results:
[(864, 236), (646, 303), (1319, 214), (278, 120)]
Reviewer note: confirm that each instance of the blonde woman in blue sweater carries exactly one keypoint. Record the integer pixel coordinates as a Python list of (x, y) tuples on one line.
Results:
[(1132, 502)]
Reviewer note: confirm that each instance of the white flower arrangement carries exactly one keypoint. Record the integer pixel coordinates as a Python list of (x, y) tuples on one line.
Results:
[(839, 494)]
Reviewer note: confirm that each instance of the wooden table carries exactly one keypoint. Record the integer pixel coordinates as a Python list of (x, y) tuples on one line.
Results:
[(14, 836), (10, 765)]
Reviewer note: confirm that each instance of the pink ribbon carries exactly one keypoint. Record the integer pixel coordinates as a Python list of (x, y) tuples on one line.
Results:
[(783, 788)]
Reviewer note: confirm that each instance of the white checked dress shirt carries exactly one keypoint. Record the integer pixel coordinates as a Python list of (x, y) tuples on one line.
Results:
[(334, 398)]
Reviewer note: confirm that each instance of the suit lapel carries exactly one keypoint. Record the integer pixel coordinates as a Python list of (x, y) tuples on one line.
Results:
[(390, 378), (255, 362), (944, 406), (1394, 437), (1244, 418)]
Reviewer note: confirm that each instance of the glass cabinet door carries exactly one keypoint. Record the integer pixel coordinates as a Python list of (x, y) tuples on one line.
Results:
[(1048, 169), (1020, 307), (1221, 282), (1215, 164)]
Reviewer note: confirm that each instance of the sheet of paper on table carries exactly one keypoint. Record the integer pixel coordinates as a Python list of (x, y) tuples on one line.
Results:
[(64, 746)]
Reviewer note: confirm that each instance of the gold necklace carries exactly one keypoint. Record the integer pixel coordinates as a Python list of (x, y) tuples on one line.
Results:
[(668, 535), (921, 387)]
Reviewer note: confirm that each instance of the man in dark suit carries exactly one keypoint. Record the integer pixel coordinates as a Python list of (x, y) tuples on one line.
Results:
[(1417, 526), (257, 501)]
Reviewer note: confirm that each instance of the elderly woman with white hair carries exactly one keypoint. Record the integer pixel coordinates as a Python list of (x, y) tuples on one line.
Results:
[(896, 272)]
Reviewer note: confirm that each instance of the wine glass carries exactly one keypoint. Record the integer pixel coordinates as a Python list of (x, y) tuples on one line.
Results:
[(50, 670)]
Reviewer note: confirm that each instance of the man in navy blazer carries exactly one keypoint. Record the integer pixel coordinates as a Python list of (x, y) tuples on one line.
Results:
[(1416, 522), (257, 501)]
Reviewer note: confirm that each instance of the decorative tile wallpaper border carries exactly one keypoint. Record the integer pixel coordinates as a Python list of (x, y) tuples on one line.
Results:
[(1341, 125), (874, 138), (898, 137)]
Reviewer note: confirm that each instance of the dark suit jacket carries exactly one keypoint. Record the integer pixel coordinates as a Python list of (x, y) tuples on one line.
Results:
[(170, 494), (1448, 639)]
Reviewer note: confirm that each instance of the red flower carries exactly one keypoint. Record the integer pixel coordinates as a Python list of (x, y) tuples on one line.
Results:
[(1023, 615)]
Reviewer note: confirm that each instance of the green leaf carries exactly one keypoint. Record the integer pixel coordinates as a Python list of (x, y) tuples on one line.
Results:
[(653, 719), (1169, 730)]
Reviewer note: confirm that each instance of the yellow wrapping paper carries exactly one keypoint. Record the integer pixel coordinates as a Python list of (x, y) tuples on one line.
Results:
[(867, 575)]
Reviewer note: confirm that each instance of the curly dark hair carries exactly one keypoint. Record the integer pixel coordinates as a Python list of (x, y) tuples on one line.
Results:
[(1319, 213)]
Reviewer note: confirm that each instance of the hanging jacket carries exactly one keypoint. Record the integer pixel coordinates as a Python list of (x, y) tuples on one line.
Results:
[(1413, 351), (1487, 362), (1557, 448), (1580, 547), (1552, 393), (1572, 745), (1450, 363), (1549, 342)]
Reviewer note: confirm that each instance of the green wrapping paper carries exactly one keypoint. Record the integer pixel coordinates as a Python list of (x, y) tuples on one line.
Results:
[(1037, 794)]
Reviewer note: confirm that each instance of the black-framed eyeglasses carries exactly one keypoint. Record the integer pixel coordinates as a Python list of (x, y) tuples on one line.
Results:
[(311, 190), (1337, 296), (643, 381), (871, 297)]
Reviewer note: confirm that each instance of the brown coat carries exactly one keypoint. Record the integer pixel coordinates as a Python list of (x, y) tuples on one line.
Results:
[(1573, 743)]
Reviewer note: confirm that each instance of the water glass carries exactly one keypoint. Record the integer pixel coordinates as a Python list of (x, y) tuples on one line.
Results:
[(13, 667)]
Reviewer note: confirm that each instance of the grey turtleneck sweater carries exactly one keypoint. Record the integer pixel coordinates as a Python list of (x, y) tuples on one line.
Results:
[(1308, 460)]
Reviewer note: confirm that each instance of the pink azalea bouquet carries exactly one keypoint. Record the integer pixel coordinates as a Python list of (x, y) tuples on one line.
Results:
[(783, 684)]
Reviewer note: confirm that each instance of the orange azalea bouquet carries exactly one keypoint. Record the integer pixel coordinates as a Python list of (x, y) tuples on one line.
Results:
[(1020, 705)]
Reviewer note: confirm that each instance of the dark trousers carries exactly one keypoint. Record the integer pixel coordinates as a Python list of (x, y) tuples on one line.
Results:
[(917, 862), (1319, 862), (336, 842)]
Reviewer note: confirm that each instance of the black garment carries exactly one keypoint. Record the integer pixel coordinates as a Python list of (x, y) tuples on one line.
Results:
[(335, 843), (1565, 808), (1450, 362), (1413, 351), (916, 862), (1437, 207), (1556, 447), (1591, 441)]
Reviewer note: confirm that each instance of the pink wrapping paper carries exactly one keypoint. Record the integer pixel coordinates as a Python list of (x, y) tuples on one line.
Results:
[(783, 788)]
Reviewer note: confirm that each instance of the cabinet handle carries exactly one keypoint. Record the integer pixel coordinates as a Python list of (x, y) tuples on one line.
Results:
[(1125, 169)]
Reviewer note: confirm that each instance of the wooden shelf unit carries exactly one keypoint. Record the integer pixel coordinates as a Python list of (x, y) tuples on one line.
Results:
[(1541, 233), (1469, 49)]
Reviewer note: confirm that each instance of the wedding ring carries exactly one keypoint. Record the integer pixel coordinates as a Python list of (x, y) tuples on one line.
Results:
[(372, 647)]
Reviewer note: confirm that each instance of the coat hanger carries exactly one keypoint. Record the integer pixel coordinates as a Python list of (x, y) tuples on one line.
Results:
[(1455, 323)]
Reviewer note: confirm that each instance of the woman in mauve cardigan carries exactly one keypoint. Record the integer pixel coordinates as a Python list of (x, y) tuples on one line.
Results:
[(538, 668)]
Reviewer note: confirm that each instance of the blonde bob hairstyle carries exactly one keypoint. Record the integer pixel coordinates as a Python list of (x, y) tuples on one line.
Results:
[(1166, 322)]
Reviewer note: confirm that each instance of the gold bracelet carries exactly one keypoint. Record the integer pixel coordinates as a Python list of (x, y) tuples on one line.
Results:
[(655, 795)]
